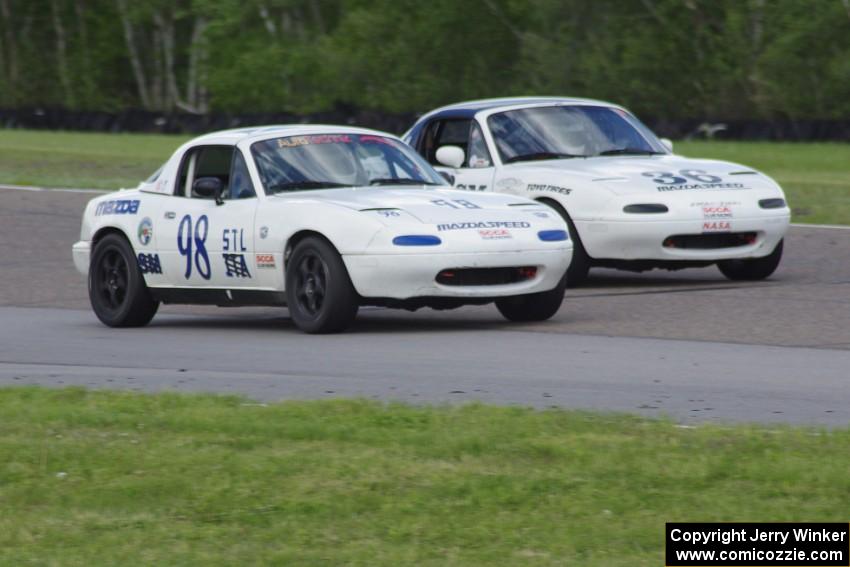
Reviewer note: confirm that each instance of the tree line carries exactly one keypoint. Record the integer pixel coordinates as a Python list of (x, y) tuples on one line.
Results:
[(662, 58)]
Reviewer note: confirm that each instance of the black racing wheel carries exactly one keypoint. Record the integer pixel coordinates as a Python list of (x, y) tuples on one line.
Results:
[(319, 293), (117, 290), (751, 269), (533, 306), (581, 262)]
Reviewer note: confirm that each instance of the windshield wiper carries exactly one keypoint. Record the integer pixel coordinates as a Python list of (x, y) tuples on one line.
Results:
[(298, 185), (398, 181), (630, 151), (541, 155)]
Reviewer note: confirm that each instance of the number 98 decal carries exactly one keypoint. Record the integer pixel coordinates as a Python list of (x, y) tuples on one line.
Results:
[(185, 245)]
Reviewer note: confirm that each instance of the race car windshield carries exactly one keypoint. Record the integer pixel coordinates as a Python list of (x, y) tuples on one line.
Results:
[(325, 161), (560, 132)]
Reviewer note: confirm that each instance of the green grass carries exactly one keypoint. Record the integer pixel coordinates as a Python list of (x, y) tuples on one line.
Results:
[(109, 478), (816, 177), (83, 160)]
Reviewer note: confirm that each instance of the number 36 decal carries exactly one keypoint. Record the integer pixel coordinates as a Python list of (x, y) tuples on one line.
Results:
[(698, 175), (185, 245)]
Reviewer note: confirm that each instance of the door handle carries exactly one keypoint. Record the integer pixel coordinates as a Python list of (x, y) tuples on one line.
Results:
[(170, 215)]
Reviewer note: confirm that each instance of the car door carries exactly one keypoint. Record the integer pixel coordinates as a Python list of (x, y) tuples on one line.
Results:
[(477, 171), (203, 241)]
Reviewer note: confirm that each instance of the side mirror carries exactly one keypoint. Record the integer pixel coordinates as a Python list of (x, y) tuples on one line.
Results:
[(667, 143), (450, 156), (209, 187)]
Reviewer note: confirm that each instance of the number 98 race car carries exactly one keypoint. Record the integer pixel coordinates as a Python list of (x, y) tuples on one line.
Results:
[(630, 203), (321, 219)]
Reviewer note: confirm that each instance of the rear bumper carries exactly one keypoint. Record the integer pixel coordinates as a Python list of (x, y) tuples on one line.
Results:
[(81, 251), (407, 276), (643, 240)]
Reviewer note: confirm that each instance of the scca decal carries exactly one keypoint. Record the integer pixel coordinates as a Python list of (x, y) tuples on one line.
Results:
[(265, 261), (480, 225), (118, 207)]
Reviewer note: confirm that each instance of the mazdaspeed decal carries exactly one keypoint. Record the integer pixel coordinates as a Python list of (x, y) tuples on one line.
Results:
[(668, 181), (478, 225)]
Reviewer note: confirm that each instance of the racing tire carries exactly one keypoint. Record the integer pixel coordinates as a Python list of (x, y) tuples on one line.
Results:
[(533, 306), (752, 269), (117, 289), (581, 262), (319, 293)]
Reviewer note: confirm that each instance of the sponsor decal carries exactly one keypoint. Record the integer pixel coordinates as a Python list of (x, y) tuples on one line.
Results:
[(149, 263), (715, 203), (264, 231), (117, 207), (480, 225), (145, 231), (702, 186), (508, 183), (295, 141), (265, 261), (716, 226), (494, 233), (717, 212), (233, 240), (548, 188), (235, 266), (470, 187)]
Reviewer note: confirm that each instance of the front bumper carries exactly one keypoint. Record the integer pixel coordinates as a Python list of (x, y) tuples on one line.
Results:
[(643, 240), (405, 276), (81, 251)]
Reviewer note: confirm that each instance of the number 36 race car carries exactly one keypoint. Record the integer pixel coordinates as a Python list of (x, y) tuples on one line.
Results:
[(630, 203), (321, 219)]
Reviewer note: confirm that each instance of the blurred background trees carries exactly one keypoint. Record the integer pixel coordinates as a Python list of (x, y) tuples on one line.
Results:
[(663, 58)]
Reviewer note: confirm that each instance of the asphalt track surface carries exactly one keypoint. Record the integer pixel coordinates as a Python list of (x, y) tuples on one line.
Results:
[(687, 344)]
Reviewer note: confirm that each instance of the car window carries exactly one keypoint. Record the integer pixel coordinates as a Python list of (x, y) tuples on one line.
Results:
[(451, 132), (323, 161), (222, 162), (569, 131), (477, 155), (240, 179)]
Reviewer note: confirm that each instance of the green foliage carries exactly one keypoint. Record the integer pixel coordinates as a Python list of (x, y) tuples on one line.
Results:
[(116, 478), (665, 58)]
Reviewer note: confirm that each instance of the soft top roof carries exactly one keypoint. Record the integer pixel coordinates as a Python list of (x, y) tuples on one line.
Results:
[(470, 108)]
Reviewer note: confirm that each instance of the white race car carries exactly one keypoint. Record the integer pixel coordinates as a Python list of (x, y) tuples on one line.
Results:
[(630, 203), (322, 219)]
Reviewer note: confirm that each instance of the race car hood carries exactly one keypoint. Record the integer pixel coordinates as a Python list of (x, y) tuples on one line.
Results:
[(427, 205), (634, 175)]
